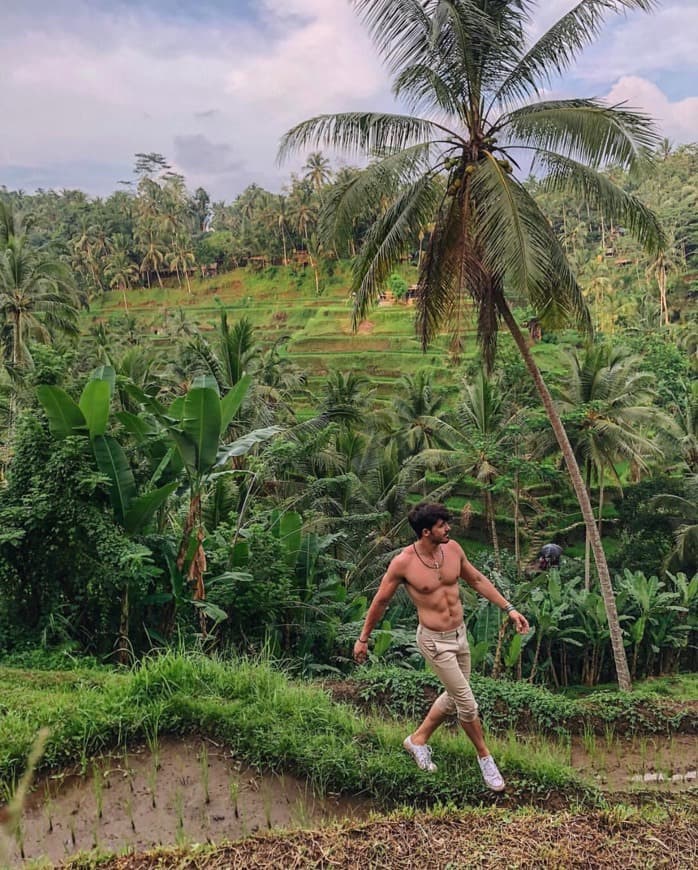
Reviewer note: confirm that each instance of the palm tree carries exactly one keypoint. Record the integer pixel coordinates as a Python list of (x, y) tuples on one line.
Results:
[(182, 258), (481, 418), (120, 271), (609, 400), (88, 249), (317, 170), (467, 67), (277, 218), (683, 511), (37, 294), (418, 407)]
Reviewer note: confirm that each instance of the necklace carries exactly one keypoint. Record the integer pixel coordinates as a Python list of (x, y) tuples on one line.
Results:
[(436, 565)]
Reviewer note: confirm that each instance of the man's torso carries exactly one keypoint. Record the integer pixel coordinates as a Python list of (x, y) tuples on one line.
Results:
[(432, 584)]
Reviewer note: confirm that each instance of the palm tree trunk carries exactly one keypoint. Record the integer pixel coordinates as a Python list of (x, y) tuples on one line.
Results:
[(587, 539), (663, 309), (16, 337), (489, 501), (517, 529), (497, 665), (123, 647), (619, 656)]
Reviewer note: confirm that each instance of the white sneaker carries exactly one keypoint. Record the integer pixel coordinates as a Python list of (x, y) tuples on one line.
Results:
[(490, 773), (421, 754)]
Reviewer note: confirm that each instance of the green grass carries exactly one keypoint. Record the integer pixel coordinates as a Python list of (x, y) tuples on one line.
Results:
[(279, 302), (266, 721), (680, 687), (520, 706)]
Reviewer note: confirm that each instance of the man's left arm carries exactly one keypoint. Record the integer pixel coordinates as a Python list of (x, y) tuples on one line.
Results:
[(477, 581)]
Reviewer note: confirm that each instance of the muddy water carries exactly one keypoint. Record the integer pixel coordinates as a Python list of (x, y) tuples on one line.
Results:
[(657, 763), (187, 791)]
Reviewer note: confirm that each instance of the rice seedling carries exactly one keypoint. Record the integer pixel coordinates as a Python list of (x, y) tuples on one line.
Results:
[(98, 788), (17, 792), (234, 792), (48, 809), (609, 733), (129, 813), (642, 750), (266, 803), (203, 762), (180, 837), (589, 740)]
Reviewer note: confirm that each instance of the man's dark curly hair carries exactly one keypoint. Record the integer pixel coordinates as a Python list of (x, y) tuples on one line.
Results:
[(427, 514)]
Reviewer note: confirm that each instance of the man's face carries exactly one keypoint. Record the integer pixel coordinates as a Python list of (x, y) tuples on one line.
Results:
[(438, 534)]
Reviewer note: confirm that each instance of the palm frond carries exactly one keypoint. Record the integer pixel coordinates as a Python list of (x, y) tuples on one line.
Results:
[(207, 355), (475, 41), (570, 176), (520, 248), (556, 49), (345, 203), (358, 133), (400, 29), (389, 237), (424, 88), (586, 130), (442, 281)]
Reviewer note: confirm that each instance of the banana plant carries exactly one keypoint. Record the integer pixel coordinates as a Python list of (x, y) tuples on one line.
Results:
[(89, 418), (196, 424), (651, 602)]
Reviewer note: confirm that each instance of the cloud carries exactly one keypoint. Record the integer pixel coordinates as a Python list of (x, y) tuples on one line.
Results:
[(88, 81), (676, 120), (94, 81), (198, 154)]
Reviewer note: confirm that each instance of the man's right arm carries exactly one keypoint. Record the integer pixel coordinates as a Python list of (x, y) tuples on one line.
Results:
[(388, 587)]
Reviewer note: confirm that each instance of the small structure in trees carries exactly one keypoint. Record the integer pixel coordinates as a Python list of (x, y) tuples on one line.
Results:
[(209, 270)]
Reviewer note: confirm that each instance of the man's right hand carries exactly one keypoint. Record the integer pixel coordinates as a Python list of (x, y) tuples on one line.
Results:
[(360, 652)]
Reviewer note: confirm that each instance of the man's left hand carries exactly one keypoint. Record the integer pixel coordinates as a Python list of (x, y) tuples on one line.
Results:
[(520, 622)]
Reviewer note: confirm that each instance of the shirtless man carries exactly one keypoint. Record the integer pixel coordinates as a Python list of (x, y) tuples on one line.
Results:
[(430, 569)]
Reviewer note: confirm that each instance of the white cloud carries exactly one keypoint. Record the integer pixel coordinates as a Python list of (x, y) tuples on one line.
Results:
[(676, 120), (89, 83), (92, 84)]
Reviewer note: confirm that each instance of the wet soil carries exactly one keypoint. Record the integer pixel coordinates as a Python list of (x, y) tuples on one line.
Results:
[(186, 791), (194, 791), (666, 764)]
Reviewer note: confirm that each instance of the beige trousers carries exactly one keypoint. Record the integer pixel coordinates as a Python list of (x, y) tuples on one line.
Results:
[(448, 655)]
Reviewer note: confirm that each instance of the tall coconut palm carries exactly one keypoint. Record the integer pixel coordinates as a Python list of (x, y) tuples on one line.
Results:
[(467, 67), (276, 218), (37, 297), (317, 170), (120, 270)]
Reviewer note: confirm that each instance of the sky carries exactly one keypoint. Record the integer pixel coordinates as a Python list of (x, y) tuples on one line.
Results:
[(214, 84)]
